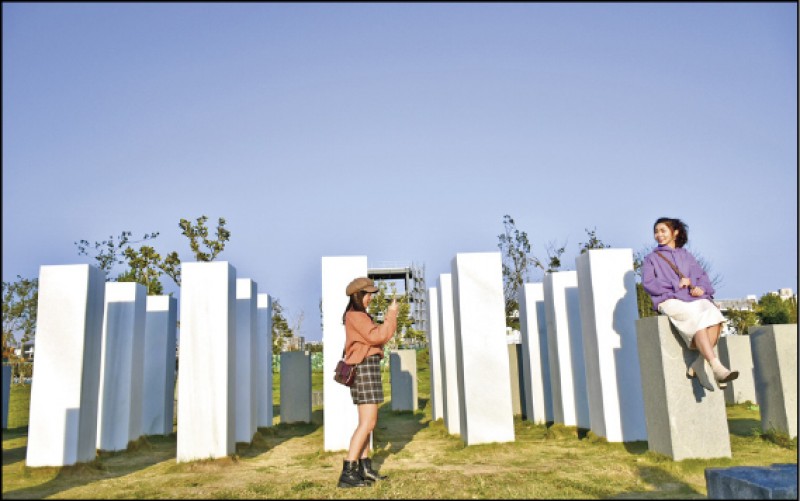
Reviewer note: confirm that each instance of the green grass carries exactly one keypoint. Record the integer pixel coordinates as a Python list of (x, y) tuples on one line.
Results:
[(421, 458)]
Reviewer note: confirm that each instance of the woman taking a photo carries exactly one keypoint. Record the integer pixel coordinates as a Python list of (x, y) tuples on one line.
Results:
[(364, 347), (681, 289)]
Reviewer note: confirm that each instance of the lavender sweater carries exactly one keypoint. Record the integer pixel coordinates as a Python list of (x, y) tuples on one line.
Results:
[(661, 281)]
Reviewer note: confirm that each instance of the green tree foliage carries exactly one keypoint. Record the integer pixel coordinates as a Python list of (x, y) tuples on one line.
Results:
[(20, 303), (145, 265), (280, 327), (740, 321), (593, 242), (772, 309), (405, 334), (515, 250), (199, 231)]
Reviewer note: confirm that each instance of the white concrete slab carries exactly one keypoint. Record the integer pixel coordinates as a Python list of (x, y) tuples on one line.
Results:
[(535, 365), (341, 415), (158, 401), (206, 371), (481, 348), (447, 337), (62, 424), (608, 306), (565, 349)]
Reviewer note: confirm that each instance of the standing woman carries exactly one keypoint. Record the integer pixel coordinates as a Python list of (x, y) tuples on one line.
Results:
[(364, 348), (681, 289)]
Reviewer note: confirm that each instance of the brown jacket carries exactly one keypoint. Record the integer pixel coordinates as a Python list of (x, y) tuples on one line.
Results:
[(364, 337)]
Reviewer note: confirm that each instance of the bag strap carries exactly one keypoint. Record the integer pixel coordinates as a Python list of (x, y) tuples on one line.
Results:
[(671, 264)]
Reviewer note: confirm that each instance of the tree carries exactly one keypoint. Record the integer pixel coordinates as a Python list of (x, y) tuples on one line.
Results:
[(280, 327), (515, 251), (740, 321), (405, 334), (593, 243), (20, 303), (145, 265), (772, 309), (200, 231)]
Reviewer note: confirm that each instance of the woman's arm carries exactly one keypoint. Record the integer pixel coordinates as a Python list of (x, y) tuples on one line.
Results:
[(375, 335), (655, 283), (698, 275)]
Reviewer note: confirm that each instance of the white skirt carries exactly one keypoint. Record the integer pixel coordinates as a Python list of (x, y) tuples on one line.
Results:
[(691, 316)]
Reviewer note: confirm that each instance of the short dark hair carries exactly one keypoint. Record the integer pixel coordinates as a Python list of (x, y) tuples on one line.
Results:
[(675, 224)]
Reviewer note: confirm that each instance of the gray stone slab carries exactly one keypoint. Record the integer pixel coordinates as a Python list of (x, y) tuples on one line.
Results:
[(778, 481), (684, 420), (403, 375), (735, 353), (6, 393), (774, 349), (295, 398)]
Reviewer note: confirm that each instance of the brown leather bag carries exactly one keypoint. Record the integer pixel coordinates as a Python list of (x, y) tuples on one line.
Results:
[(345, 373)]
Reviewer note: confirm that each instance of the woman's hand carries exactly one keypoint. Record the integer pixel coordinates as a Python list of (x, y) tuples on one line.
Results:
[(685, 282), (696, 291)]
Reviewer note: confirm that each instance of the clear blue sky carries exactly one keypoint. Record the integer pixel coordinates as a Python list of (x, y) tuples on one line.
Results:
[(403, 132)]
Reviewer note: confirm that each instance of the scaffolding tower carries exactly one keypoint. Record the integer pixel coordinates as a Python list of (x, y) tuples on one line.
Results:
[(413, 277)]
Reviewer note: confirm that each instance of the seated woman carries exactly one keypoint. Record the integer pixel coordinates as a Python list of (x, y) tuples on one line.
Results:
[(681, 289)]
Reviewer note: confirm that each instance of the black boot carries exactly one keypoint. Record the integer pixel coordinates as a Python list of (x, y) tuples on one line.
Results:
[(350, 476), (367, 473)]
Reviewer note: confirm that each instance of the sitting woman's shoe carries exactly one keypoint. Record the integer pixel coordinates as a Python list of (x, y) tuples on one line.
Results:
[(723, 375), (698, 370)]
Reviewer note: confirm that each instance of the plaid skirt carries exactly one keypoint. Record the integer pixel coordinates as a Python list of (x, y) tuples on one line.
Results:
[(368, 388)]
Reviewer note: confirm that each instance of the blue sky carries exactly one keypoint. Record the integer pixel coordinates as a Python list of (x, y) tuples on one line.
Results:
[(403, 132)]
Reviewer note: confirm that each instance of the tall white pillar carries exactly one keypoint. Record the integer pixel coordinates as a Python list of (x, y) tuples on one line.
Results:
[(565, 349), (62, 424), (206, 372), (160, 333), (535, 365), (447, 336), (481, 348), (119, 418), (434, 352), (341, 415), (607, 291), (246, 407), (264, 361)]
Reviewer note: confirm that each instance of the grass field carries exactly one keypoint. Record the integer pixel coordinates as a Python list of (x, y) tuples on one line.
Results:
[(422, 460)]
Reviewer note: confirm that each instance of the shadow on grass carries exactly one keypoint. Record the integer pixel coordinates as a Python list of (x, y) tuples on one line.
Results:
[(743, 427), (663, 482), (269, 438), (395, 429), (11, 456), (145, 452)]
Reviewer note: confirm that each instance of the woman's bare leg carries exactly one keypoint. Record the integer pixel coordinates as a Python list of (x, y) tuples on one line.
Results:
[(367, 417)]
